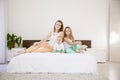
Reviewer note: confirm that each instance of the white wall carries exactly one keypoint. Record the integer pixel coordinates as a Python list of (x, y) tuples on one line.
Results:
[(2, 31), (33, 19)]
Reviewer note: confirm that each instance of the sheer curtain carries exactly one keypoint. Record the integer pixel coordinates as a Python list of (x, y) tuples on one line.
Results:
[(2, 31)]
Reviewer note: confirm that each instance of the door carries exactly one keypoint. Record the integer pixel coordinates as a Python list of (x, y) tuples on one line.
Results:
[(115, 30)]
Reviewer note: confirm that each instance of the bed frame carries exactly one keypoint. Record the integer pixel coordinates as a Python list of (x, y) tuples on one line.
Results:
[(28, 43)]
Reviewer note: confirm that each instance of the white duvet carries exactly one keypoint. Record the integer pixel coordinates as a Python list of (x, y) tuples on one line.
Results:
[(53, 63)]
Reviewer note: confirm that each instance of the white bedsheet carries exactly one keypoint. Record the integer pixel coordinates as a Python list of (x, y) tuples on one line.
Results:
[(53, 63)]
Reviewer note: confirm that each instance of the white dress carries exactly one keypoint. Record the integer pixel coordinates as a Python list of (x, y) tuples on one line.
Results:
[(58, 46), (53, 39)]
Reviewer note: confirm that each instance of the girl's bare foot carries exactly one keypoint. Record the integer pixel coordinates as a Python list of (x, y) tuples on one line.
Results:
[(18, 53), (84, 47), (21, 51), (79, 51)]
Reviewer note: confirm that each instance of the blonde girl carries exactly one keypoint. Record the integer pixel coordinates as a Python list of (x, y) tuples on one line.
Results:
[(70, 45)]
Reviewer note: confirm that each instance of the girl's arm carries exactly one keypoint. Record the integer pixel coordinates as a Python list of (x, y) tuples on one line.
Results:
[(78, 42), (47, 37), (44, 39), (68, 41)]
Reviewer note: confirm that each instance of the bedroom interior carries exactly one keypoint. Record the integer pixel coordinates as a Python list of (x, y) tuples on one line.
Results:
[(96, 22)]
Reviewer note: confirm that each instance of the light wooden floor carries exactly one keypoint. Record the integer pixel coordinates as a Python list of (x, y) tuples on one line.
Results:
[(110, 69)]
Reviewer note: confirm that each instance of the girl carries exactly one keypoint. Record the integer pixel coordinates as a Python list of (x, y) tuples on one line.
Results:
[(43, 45), (70, 45), (59, 46)]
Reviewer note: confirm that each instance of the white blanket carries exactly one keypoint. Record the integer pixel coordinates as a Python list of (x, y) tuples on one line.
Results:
[(53, 63)]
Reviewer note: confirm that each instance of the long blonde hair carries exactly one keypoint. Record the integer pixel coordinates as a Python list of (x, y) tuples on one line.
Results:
[(71, 35)]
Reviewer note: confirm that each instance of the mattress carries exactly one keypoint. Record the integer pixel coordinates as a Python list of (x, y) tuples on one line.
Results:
[(53, 63)]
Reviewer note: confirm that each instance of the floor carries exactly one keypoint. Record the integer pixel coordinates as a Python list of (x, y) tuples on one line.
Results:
[(3, 67), (110, 69)]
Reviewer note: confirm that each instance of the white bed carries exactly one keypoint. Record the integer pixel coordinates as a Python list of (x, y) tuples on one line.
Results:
[(53, 63)]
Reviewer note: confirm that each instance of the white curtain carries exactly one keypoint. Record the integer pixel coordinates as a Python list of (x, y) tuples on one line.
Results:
[(2, 31)]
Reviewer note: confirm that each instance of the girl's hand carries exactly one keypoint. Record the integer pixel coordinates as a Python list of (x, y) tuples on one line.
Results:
[(78, 42)]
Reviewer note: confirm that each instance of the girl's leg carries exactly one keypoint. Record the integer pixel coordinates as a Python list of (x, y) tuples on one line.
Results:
[(28, 50), (44, 47), (79, 42), (34, 47)]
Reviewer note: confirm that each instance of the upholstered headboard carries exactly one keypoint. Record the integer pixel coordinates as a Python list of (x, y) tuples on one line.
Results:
[(28, 43)]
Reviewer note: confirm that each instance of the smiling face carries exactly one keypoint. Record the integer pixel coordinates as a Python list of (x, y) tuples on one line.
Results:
[(67, 31), (58, 26)]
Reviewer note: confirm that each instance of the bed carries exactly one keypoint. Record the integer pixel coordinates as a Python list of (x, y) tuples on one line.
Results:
[(53, 63), (28, 43)]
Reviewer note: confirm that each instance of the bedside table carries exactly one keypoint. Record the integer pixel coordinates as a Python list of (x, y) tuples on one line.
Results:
[(100, 54), (12, 52)]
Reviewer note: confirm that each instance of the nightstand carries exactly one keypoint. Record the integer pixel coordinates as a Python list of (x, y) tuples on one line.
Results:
[(100, 54), (12, 52)]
